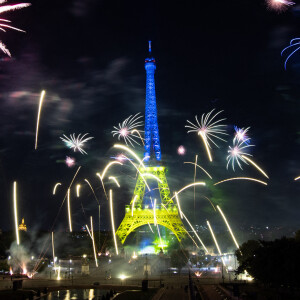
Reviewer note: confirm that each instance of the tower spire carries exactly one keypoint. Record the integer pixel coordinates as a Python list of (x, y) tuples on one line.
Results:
[(149, 47)]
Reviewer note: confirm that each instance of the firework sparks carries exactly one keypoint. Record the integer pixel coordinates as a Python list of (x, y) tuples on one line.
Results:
[(76, 143), (294, 46), (70, 161), (38, 118), (237, 153), (187, 186), (216, 242), (131, 152), (181, 150), (279, 5), (112, 220), (241, 134), (4, 25), (115, 180), (132, 206), (69, 210), (55, 187), (228, 226), (241, 178), (196, 165), (137, 131), (255, 165), (16, 213), (208, 129), (78, 190), (127, 127), (53, 252), (195, 232), (178, 205), (297, 178)]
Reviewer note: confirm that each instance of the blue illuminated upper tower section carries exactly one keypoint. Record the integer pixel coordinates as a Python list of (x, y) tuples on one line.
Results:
[(152, 143)]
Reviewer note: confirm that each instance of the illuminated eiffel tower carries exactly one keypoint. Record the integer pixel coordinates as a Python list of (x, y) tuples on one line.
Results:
[(143, 208)]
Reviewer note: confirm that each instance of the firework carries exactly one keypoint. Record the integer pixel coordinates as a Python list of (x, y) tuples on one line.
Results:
[(55, 187), (92, 190), (178, 205), (70, 161), (78, 186), (112, 220), (58, 273), (241, 178), (127, 127), (4, 25), (115, 180), (181, 150), (255, 165), (135, 130), (16, 213), (195, 232), (131, 152), (297, 178), (237, 153), (279, 5), (69, 210), (53, 253), (107, 167), (93, 240), (76, 143), (38, 118), (151, 175), (196, 165), (228, 226), (208, 129), (150, 227), (216, 243), (187, 186), (132, 206), (241, 134), (294, 46)]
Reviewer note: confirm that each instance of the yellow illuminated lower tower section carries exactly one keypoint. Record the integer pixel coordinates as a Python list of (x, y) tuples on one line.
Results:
[(164, 213)]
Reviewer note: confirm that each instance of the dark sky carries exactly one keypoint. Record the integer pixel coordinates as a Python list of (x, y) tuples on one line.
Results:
[(89, 56)]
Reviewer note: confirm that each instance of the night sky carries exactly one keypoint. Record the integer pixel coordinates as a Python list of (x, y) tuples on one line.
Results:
[(89, 57)]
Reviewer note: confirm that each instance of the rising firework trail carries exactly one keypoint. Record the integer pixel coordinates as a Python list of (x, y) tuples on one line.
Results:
[(16, 213), (208, 129), (69, 210), (228, 226), (241, 178), (38, 118), (78, 190), (126, 129), (178, 205), (55, 187), (195, 232), (53, 252), (216, 242), (4, 22), (115, 180), (196, 165), (93, 239), (112, 221), (255, 165), (92, 190), (76, 143), (187, 186)]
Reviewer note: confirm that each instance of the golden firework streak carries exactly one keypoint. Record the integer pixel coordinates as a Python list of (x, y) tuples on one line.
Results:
[(178, 204), (297, 178), (38, 118), (187, 186), (228, 226), (206, 144), (16, 213), (131, 152), (132, 207), (216, 243), (135, 130), (93, 240), (53, 253), (195, 232), (115, 180), (255, 165), (69, 210), (112, 221), (55, 187), (241, 178), (196, 165), (78, 190)]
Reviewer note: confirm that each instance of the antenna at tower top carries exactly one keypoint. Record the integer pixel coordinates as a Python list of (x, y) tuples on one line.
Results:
[(149, 46)]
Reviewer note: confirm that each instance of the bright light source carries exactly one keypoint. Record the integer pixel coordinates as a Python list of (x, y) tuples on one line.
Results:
[(122, 276)]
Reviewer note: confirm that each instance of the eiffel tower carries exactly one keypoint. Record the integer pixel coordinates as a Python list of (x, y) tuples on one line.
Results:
[(141, 209)]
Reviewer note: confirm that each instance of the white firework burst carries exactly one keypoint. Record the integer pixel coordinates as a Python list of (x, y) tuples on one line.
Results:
[(4, 22), (237, 153), (208, 128), (127, 127), (76, 143), (241, 134)]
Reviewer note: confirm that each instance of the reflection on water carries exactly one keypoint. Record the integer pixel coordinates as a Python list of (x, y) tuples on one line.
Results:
[(84, 294)]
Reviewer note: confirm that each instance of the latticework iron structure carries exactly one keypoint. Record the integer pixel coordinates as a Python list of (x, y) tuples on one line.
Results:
[(139, 213)]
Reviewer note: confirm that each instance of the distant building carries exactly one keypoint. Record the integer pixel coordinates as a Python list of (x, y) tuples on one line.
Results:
[(23, 226)]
